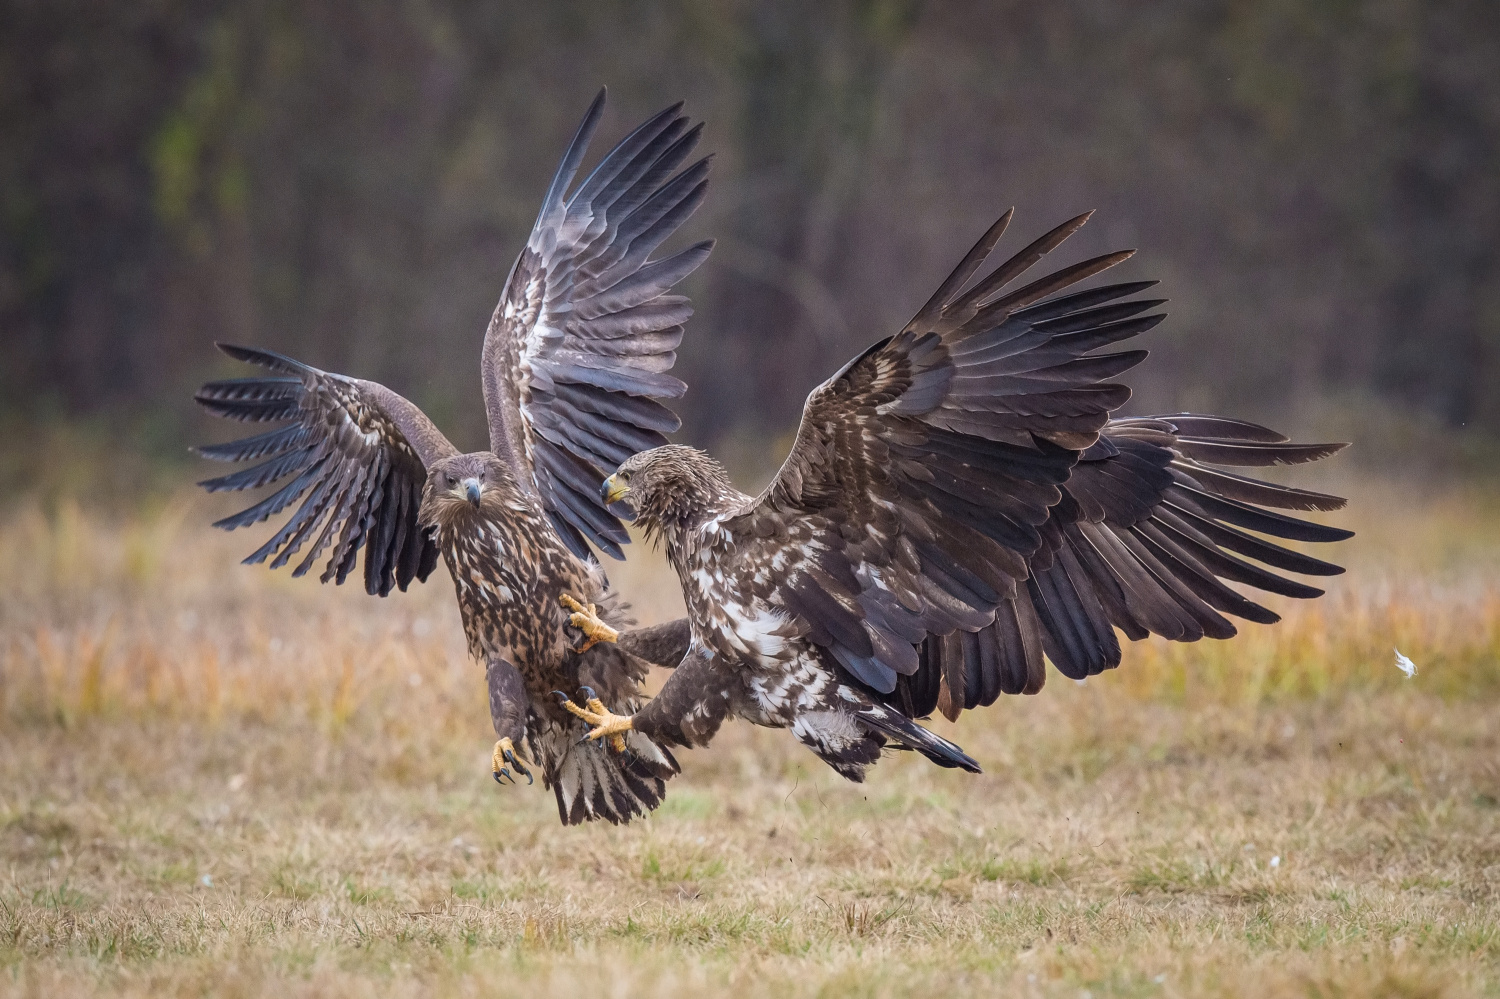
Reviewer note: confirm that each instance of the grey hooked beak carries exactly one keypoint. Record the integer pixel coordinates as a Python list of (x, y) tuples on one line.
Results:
[(471, 490)]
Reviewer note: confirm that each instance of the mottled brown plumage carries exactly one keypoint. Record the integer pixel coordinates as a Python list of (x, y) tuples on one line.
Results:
[(503, 555), (574, 364), (957, 506)]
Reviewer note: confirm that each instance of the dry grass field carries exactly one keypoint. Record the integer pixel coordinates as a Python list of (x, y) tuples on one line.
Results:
[(216, 780)]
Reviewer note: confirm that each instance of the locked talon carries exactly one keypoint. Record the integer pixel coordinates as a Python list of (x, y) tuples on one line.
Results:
[(607, 719), (606, 724), (574, 709), (586, 619)]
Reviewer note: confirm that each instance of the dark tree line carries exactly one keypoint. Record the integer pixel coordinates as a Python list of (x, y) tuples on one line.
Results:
[(1314, 181)]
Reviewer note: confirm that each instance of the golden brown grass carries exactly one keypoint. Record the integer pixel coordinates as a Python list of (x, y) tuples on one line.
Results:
[(219, 780)]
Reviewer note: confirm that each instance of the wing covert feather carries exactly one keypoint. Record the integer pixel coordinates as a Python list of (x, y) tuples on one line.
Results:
[(926, 467)]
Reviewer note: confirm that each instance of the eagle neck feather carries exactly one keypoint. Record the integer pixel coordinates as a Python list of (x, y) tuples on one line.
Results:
[(692, 495)]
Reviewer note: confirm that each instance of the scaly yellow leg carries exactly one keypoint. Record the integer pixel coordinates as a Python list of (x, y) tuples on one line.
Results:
[(586, 619), (607, 724)]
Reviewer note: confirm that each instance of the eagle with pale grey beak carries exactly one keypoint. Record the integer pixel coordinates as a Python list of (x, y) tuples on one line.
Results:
[(574, 368), (959, 507)]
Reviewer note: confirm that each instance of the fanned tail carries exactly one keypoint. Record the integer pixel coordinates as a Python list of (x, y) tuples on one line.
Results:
[(593, 781)]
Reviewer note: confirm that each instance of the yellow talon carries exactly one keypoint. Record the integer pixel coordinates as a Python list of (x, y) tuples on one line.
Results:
[(586, 619), (506, 755), (607, 724)]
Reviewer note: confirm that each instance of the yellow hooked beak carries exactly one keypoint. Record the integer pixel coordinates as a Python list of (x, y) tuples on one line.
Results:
[(613, 490)]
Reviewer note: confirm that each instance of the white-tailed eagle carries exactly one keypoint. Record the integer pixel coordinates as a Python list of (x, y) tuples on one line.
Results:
[(957, 506), (574, 365)]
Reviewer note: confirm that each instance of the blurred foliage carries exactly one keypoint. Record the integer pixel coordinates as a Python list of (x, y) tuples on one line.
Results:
[(349, 182)]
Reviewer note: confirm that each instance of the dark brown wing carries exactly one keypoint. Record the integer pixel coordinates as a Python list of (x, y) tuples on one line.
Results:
[(355, 454), (1146, 535), (577, 354), (924, 470)]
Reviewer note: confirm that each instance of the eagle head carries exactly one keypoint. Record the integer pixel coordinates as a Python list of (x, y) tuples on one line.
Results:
[(666, 488), (463, 485)]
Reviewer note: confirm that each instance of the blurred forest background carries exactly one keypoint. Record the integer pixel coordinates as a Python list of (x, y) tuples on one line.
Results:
[(1314, 182)]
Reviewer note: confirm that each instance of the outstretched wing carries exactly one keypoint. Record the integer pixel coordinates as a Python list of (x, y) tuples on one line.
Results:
[(355, 454), (1146, 535), (577, 354), (923, 472)]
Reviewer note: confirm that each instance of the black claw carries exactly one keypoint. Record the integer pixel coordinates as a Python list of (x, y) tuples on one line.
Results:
[(561, 696), (520, 767), (587, 692), (506, 774)]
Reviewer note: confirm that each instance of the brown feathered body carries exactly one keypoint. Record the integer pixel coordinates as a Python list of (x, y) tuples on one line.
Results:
[(509, 569), (753, 656)]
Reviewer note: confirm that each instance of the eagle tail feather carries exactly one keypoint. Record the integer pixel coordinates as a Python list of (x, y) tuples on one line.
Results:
[(593, 781), (910, 735)]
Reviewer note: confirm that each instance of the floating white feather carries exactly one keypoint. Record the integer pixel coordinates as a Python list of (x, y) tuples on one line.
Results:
[(1405, 665)]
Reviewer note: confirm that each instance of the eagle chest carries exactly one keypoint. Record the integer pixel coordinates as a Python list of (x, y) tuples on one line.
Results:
[(507, 581), (729, 596)]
